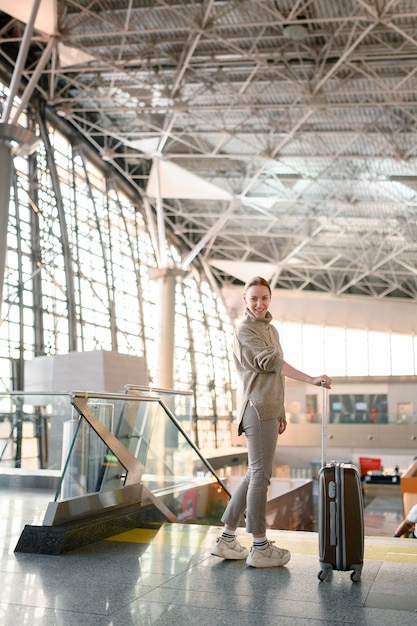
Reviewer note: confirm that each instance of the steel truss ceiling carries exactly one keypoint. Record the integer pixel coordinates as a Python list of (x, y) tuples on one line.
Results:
[(304, 112)]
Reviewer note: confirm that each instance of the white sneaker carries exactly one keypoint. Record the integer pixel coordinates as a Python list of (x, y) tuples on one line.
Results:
[(269, 557), (229, 549)]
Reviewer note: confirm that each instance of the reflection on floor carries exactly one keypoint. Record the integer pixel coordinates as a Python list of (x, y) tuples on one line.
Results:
[(167, 576)]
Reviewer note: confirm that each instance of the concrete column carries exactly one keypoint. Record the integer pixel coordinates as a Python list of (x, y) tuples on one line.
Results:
[(165, 345)]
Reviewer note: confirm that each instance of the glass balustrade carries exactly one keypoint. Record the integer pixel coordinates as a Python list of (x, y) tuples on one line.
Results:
[(31, 427), (122, 440), (178, 402)]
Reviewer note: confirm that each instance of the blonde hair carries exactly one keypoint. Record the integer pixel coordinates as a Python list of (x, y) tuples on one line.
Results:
[(255, 281)]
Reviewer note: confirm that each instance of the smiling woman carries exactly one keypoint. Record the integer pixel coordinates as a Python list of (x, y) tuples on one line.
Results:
[(261, 369), (257, 297)]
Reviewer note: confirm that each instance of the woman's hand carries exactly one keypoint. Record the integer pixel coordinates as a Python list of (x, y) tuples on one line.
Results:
[(323, 379), (291, 372), (282, 426)]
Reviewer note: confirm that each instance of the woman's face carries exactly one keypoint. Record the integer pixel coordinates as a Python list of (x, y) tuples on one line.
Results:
[(257, 299)]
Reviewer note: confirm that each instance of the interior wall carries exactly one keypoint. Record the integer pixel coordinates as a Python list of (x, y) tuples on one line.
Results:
[(356, 312)]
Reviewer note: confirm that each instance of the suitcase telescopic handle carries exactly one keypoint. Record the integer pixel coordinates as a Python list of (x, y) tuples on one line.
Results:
[(324, 402)]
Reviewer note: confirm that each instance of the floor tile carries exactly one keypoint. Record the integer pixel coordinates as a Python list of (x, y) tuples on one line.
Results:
[(168, 576)]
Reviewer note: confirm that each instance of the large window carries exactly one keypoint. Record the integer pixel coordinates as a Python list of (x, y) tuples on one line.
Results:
[(77, 278), (348, 352)]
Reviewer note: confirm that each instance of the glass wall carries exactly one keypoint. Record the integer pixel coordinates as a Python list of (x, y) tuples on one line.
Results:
[(347, 351), (77, 277)]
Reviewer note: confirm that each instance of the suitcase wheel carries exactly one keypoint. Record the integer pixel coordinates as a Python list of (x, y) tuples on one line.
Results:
[(355, 576)]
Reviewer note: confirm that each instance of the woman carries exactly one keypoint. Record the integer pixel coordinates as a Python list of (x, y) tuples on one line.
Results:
[(261, 416)]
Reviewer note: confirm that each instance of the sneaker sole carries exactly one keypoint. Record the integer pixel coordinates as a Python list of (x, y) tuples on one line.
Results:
[(229, 558), (268, 565)]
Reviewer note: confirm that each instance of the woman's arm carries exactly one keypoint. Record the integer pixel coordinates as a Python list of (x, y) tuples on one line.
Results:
[(403, 528), (290, 371)]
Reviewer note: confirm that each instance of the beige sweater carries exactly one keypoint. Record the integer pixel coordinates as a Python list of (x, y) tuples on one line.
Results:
[(259, 359)]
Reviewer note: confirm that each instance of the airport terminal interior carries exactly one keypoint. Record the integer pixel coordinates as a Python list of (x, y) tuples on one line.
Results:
[(155, 155)]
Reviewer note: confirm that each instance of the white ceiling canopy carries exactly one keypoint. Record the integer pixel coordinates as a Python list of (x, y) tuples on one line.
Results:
[(148, 145), (243, 271), (69, 56), (169, 180), (21, 9)]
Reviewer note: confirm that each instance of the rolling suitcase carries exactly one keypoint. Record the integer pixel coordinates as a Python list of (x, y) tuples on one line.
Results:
[(340, 514)]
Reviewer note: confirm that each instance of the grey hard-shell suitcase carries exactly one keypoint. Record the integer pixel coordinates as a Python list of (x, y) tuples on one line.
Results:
[(340, 514)]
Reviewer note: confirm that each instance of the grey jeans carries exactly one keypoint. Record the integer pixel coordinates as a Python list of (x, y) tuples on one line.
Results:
[(251, 494)]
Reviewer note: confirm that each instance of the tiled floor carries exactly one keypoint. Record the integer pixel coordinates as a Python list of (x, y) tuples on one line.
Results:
[(168, 577)]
